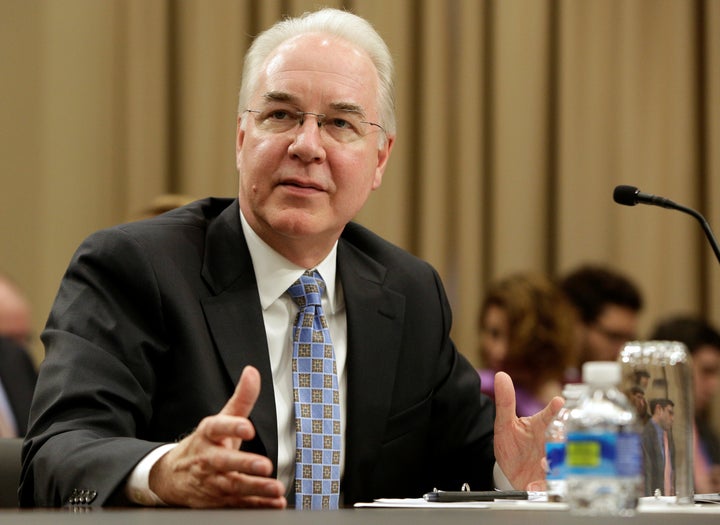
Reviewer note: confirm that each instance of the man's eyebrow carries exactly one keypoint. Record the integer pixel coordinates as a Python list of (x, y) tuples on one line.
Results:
[(348, 106), (280, 96)]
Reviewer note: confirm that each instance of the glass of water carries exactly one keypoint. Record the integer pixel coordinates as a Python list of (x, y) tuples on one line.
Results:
[(657, 379)]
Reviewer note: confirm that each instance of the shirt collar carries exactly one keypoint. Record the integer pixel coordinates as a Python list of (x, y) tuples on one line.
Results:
[(275, 274)]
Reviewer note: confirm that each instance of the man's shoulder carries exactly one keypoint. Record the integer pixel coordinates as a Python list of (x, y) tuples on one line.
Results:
[(650, 428), (177, 234), (196, 216), (376, 247), (199, 213)]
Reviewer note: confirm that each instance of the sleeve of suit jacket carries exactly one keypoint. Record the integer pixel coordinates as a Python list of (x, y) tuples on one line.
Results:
[(130, 363), (103, 339)]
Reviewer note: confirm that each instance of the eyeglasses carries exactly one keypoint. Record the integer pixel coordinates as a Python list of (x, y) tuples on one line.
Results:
[(340, 126), (616, 336)]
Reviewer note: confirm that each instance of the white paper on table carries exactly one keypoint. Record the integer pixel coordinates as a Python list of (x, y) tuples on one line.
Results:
[(668, 505), (420, 503)]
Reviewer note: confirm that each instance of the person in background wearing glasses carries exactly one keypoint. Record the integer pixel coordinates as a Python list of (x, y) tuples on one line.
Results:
[(169, 377), (608, 306)]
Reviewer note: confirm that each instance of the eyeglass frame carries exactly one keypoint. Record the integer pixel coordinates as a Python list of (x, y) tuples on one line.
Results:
[(319, 117), (615, 336)]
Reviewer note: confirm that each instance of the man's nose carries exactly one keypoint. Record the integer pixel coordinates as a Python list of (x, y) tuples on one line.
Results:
[(308, 143)]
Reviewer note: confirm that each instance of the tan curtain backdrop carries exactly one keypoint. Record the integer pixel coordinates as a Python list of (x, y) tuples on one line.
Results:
[(517, 118)]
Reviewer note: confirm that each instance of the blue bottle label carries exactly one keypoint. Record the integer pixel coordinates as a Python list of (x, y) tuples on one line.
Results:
[(603, 454), (555, 455)]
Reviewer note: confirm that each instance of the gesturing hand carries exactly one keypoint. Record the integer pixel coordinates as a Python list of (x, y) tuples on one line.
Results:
[(207, 469), (520, 442)]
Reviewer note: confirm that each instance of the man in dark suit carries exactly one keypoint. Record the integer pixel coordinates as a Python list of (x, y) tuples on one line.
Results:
[(156, 321), (659, 448), (17, 381)]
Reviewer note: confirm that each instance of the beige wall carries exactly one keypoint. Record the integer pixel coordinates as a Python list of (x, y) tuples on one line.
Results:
[(516, 120)]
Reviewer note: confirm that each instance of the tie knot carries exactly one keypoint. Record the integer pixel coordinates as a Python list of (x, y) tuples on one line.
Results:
[(308, 289)]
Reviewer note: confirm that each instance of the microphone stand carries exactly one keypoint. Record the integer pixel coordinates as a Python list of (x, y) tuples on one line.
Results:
[(705, 227)]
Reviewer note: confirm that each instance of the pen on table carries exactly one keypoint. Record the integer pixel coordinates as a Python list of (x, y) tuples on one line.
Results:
[(448, 496)]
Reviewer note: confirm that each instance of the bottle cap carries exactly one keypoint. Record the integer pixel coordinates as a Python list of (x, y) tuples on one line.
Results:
[(601, 372), (574, 390)]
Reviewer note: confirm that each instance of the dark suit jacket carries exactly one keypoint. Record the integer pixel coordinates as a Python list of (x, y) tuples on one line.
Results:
[(18, 376), (653, 459), (155, 320)]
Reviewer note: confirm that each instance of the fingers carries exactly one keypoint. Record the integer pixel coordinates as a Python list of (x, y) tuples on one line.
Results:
[(539, 485), (217, 428), (236, 489), (519, 442), (221, 460), (235, 484), (504, 400), (547, 414), (246, 393), (199, 474), (207, 469), (225, 491)]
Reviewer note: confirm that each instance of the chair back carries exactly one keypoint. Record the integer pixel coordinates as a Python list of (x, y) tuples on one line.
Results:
[(10, 450)]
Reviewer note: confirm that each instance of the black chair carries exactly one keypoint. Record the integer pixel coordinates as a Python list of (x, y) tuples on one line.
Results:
[(10, 449)]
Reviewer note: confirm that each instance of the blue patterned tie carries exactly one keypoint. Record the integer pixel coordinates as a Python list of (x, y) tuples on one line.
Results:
[(316, 397)]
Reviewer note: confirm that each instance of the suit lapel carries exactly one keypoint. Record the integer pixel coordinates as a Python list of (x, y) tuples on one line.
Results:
[(234, 317), (375, 317)]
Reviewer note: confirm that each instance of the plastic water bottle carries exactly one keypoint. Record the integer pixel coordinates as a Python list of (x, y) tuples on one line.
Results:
[(604, 454), (555, 440)]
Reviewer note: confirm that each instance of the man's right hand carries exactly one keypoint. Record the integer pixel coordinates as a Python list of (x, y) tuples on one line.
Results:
[(207, 469)]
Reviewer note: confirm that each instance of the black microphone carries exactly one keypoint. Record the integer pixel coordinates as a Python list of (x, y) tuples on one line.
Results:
[(630, 196)]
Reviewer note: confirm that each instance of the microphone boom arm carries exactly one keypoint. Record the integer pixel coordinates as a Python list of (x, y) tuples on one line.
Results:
[(705, 227), (630, 196)]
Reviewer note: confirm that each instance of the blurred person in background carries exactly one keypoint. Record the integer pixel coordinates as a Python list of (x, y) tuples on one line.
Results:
[(636, 396), (15, 318), (526, 329), (703, 343), (17, 371), (608, 308)]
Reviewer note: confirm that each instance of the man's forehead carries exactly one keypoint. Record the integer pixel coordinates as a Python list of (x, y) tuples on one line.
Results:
[(321, 57)]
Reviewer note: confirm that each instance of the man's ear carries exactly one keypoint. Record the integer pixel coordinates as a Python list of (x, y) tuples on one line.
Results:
[(383, 157), (239, 138)]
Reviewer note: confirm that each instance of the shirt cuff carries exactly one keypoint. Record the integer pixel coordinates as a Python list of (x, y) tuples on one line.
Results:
[(500, 479), (137, 488)]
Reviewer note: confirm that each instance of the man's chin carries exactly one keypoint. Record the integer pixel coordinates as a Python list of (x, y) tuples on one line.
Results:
[(298, 224)]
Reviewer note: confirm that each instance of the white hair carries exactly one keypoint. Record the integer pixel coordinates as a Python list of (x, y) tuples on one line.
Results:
[(349, 27)]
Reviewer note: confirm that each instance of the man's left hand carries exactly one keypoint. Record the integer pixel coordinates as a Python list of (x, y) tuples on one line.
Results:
[(520, 441)]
